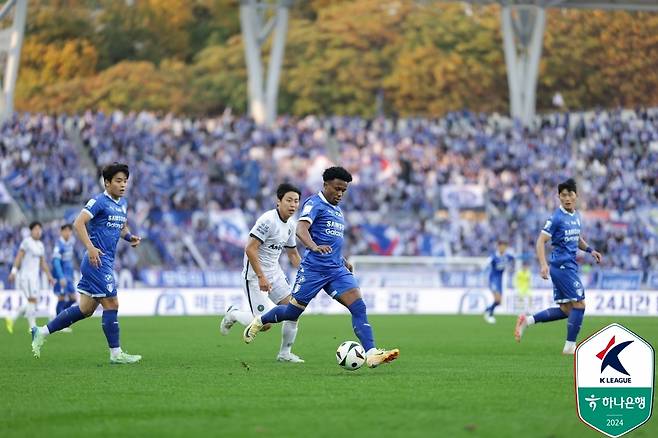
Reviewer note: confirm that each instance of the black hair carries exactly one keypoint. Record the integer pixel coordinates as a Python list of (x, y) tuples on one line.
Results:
[(569, 185), (112, 169), (285, 188), (336, 172), (35, 224), (66, 227)]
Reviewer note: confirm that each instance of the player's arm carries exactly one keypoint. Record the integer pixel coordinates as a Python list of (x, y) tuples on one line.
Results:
[(293, 256), (17, 264), (252, 255), (58, 272), (582, 245), (348, 265), (540, 248), (80, 227), (302, 234), (129, 237), (46, 269)]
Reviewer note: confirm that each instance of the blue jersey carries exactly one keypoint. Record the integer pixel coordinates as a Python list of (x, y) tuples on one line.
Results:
[(63, 258), (497, 265), (564, 229), (108, 218), (327, 228)]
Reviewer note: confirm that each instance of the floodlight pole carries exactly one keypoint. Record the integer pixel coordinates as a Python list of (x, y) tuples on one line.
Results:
[(523, 33), (263, 100), (11, 42)]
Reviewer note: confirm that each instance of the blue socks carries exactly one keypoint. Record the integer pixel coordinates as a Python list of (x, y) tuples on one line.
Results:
[(360, 324), (61, 305), (574, 323), (283, 312), (111, 327), (550, 314), (491, 308), (288, 312), (65, 318), (69, 303)]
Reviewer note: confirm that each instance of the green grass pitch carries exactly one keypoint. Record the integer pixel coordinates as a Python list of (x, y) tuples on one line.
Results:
[(456, 377)]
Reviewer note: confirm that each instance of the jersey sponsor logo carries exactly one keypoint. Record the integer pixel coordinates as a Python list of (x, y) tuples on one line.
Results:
[(276, 247)]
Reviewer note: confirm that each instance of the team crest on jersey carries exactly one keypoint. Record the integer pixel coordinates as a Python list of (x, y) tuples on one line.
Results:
[(109, 286)]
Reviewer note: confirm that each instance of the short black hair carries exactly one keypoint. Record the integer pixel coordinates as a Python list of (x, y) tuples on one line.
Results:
[(569, 185), (285, 188), (66, 227), (336, 172), (112, 169), (35, 224)]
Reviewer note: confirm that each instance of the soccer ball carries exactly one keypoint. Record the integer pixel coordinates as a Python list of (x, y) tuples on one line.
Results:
[(350, 355)]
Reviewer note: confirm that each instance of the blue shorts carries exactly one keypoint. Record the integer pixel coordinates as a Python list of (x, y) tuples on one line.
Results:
[(496, 284), (68, 289), (97, 282), (335, 282), (567, 286)]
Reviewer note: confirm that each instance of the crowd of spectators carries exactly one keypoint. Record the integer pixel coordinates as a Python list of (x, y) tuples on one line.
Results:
[(187, 173)]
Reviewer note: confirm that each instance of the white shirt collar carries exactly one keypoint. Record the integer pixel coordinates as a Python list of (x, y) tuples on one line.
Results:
[(114, 200), (565, 211)]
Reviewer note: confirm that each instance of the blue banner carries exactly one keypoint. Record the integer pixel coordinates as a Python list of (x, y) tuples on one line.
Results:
[(621, 280), (191, 278)]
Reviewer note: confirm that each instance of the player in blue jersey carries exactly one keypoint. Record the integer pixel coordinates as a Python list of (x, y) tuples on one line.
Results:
[(321, 228), (63, 270), (563, 229), (99, 225), (500, 260)]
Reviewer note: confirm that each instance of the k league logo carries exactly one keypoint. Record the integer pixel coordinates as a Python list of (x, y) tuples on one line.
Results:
[(614, 372)]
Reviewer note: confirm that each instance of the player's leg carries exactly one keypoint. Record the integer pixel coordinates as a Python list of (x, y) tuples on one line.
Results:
[(575, 307), (560, 286), (60, 293), (280, 295), (496, 290), (110, 324), (33, 292), (307, 285), (345, 289), (69, 300), (23, 287), (63, 320), (255, 297), (70, 292)]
